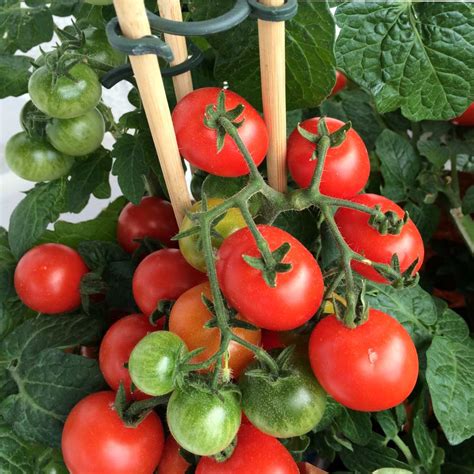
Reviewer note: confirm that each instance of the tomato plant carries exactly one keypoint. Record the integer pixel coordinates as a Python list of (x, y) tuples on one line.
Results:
[(255, 453), (35, 159), (77, 136), (346, 169), (188, 319), (197, 143), (297, 294), (48, 278), (214, 418), (369, 368), (163, 275), (153, 218), (95, 439)]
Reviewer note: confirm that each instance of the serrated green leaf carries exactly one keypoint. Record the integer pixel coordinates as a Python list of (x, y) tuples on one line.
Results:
[(415, 55), (310, 62), (468, 201), (450, 377), (97, 254), (12, 313), (451, 326), (14, 75), (42, 205), (356, 426), (399, 164), (388, 422), (86, 176), (426, 218), (49, 381), (425, 446)]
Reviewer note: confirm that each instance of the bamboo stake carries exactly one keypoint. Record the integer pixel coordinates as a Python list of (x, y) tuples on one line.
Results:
[(272, 68), (134, 24), (171, 10)]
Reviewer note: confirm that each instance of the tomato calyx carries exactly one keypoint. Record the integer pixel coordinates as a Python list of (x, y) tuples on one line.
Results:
[(387, 222), (227, 452), (147, 246), (133, 413), (283, 361), (33, 120), (163, 310)]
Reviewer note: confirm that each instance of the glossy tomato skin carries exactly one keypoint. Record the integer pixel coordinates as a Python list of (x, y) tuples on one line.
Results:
[(171, 461), (35, 159), (366, 240), (77, 136), (298, 292), (95, 439), (341, 83), (370, 368), (153, 362), (189, 246), (163, 275), (466, 119), (255, 453), (203, 422), (48, 277), (187, 320), (153, 217), (290, 406), (68, 97), (347, 166), (116, 347), (197, 143)]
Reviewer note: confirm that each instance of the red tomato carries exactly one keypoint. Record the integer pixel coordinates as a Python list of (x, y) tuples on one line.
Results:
[(48, 278), (347, 166), (298, 292), (163, 275), (255, 453), (153, 217), (116, 347), (369, 242), (95, 439), (370, 368), (172, 462), (341, 83), (187, 320), (466, 119), (271, 340), (197, 143)]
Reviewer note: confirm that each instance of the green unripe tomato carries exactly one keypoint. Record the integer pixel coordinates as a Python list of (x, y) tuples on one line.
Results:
[(35, 159), (65, 97), (203, 422), (98, 48), (77, 136), (289, 406), (190, 246), (153, 362)]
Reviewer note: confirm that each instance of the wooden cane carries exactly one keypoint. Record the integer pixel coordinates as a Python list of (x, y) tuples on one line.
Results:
[(171, 10), (272, 68), (134, 24)]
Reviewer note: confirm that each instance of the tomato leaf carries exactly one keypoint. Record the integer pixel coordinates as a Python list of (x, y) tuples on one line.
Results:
[(418, 56), (103, 227), (388, 422), (22, 28), (450, 325), (49, 381), (400, 165), (426, 218), (430, 456), (309, 55), (450, 377), (41, 206), (356, 426), (7, 268), (468, 201), (86, 176), (14, 75)]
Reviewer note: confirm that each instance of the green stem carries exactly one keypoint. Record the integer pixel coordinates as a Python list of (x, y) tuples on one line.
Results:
[(404, 449), (260, 354), (322, 148)]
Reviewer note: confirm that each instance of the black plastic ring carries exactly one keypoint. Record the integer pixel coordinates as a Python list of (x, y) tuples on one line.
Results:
[(284, 12)]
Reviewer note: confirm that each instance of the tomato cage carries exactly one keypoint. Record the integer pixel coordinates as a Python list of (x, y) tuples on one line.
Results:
[(134, 31)]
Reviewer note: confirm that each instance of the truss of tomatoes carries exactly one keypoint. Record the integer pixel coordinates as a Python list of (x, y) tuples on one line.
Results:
[(371, 367)]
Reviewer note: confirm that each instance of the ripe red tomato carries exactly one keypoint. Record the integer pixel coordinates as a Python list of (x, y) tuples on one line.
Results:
[(197, 143), (153, 217), (298, 292), (95, 439), (370, 368), (369, 242), (255, 453), (172, 462), (347, 166), (341, 82), (466, 119), (163, 275), (187, 320), (116, 347), (48, 278)]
